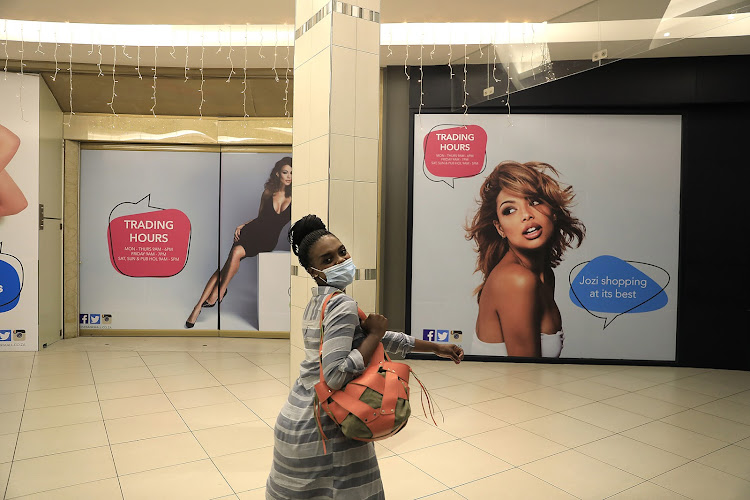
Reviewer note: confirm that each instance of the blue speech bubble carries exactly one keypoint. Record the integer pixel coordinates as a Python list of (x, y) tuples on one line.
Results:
[(614, 287), (10, 285)]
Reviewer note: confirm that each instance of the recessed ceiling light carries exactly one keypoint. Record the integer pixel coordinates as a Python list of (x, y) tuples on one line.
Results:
[(667, 33)]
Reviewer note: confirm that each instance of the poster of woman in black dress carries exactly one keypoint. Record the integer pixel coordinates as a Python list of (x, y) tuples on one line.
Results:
[(253, 237)]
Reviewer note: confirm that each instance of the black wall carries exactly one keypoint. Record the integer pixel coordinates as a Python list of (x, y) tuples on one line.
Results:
[(713, 96)]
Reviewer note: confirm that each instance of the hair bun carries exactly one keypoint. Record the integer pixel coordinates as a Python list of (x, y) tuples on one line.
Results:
[(302, 228)]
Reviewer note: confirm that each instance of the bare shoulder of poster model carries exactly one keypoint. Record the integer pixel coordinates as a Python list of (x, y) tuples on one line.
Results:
[(514, 295)]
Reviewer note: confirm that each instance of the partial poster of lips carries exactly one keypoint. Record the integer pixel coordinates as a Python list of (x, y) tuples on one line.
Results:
[(147, 241)]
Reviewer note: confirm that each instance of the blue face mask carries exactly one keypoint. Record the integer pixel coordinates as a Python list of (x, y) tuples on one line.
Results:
[(341, 275)]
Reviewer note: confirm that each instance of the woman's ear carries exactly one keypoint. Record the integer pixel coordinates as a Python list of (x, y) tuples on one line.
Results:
[(312, 273), (499, 229)]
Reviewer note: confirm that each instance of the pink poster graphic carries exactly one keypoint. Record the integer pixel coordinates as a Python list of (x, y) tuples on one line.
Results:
[(455, 152), (151, 242)]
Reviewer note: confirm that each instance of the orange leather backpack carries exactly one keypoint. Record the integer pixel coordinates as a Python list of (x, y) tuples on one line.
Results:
[(373, 406)]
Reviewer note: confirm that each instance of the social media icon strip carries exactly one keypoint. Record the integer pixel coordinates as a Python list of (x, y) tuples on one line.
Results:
[(19, 335), (95, 319), (6, 335), (455, 336), (428, 335), (84, 319)]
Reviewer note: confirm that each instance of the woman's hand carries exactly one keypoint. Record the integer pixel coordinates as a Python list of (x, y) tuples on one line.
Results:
[(375, 324), (237, 232), (451, 351)]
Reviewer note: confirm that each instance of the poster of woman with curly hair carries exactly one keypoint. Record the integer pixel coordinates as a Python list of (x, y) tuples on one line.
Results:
[(555, 237)]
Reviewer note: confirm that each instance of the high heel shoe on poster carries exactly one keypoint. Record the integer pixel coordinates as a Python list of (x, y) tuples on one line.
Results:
[(206, 304), (188, 324)]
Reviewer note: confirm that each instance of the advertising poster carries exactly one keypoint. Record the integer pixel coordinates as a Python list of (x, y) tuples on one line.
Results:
[(256, 204), (547, 236), (157, 238), (19, 215)]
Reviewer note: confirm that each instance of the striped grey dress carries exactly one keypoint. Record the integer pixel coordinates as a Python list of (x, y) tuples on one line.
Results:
[(300, 468)]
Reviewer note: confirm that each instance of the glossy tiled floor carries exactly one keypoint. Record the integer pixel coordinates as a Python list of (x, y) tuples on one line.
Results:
[(192, 418)]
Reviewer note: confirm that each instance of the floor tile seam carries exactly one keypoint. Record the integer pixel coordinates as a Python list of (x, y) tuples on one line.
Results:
[(642, 480), (399, 455), (544, 480), (611, 433), (525, 463), (239, 453), (62, 452), (257, 418), (423, 419), (566, 409), (62, 387), (7, 380), (519, 467), (649, 482), (122, 381), (18, 431), (424, 447), (106, 433), (192, 433), (697, 460), (703, 433), (271, 377), (564, 415), (74, 365), (678, 404), (61, 374), (670, 451), (125, 475), (604, 402), (587, 397), (725, 418), (14, 377), (218, 384), (712, 395), (426, 497), (237, 398), (134, 416), (63, 487), (651, 419), (254, 412), (512, 423), (214, 376), (683, 465), (138, 395), (732, 401), (61, 426), (633, 473), (15, 446), (727, 398), (10, 394)]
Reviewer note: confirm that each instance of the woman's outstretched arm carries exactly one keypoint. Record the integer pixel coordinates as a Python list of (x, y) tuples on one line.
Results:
[(12, 199)]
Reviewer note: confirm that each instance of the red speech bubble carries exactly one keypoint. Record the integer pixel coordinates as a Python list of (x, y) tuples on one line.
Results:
[(149, 244), (455, 152)]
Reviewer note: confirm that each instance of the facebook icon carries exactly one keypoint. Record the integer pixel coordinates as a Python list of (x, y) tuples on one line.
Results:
[(428, 335), (84, 319)]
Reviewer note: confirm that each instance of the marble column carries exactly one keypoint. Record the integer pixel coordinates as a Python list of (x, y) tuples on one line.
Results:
[(335, 141)]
